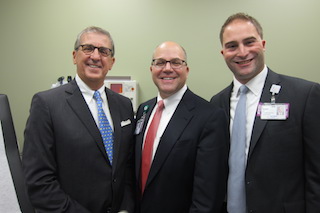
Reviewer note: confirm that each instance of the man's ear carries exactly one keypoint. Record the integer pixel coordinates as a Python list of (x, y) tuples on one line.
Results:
[(74, 56)]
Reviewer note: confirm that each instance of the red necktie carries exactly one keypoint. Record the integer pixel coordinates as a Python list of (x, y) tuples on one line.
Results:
[(148, 145)]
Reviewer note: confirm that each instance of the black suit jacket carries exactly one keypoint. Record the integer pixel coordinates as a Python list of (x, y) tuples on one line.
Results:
[(283, 166), (66, 166), (189, 170)]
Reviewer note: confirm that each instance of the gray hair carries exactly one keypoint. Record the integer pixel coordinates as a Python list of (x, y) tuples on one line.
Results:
[(94, 29)]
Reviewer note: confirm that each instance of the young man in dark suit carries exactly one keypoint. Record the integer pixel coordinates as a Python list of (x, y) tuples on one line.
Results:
[(183, 168), (65, 161), (282, 145)]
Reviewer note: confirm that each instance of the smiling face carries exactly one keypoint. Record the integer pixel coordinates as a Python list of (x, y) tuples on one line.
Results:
[(243, 50), (93, 68), (167, 79)]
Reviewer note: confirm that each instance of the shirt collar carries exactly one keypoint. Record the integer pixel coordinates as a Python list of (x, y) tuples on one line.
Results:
[(173, 100), (87, 92), (256, 84)]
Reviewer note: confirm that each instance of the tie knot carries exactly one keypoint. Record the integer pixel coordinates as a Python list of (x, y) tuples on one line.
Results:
[(243, 89), (96, 95), (160, 104)]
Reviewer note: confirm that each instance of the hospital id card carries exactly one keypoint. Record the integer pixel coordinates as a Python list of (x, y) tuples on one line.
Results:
[(270, 111)]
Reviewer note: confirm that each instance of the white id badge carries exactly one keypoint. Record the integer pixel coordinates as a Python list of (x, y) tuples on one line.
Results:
[(268, 111), (138, 127), (139, 124)]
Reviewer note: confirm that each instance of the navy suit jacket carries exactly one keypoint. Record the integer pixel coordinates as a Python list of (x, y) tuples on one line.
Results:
[(66, 166), (283, 166), (189, 170)]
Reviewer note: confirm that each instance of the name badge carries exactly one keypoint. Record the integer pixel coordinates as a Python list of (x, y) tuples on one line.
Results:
[(270, 111), (140, 122), (139, 125)]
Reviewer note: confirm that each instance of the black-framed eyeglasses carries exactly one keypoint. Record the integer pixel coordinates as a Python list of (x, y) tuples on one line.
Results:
[(88, 50), (175, 63)]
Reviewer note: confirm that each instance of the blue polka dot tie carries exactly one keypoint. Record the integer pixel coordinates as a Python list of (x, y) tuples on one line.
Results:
[(104, 127)]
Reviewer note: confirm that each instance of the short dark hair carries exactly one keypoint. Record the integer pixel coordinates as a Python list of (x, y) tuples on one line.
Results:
[(241, 16)]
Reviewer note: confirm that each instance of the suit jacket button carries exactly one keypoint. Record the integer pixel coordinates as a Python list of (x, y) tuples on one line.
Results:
[(114, 180)]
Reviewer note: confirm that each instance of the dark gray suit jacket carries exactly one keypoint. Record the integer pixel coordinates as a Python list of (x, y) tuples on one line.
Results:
[(189, 170), (283, 167), (66, 166)]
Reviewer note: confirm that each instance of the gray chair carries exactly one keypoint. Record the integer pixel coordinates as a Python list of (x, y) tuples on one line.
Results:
[(13, 158)]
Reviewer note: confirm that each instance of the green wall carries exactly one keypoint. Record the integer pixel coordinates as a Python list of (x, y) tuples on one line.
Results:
[(37, 38)]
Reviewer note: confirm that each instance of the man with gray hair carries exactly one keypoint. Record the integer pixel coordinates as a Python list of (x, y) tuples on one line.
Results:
[(77, 153)]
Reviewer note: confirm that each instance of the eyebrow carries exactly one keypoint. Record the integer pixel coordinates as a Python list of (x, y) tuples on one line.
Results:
[(250, 38), (230, 43), (96, 46), (235, 42)]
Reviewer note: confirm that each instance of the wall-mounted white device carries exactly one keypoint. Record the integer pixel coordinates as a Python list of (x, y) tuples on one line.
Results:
[(124, 86)]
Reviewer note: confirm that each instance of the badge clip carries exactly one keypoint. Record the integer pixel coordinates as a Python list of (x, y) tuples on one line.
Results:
[(273, 110), (275, 89), (145, 108)]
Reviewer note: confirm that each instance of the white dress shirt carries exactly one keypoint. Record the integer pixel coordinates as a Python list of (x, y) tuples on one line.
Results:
[(87, 94), (255, 87), (170, 105)]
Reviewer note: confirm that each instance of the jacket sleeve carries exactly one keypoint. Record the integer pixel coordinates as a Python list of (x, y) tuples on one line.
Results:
[(211, 166), (311, 138)]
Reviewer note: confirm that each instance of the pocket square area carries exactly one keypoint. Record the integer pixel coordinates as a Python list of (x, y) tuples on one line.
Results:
[(125, 123)]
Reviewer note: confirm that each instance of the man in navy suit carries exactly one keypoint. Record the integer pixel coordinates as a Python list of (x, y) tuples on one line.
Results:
[(282, 125), (66, 165), (188, 159)]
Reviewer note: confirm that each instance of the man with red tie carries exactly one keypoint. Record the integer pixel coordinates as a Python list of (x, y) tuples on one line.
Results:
[(181, 143)]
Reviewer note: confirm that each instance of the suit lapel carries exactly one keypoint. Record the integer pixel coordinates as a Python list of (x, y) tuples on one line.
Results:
[(225, 100), (115, 114), (174, 129), (139, 137), (78, 105), (259, 125)]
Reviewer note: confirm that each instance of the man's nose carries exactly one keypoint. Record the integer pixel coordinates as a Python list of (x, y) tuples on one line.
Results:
[(168, 66), (95, 54), (242, 51)]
